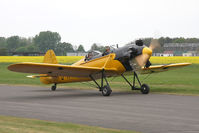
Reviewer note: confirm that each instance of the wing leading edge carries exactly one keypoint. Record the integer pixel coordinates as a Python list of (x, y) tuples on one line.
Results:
[(58, 69), (162, 68)]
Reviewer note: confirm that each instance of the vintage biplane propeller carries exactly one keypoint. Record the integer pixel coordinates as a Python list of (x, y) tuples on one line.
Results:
[(133, 58)]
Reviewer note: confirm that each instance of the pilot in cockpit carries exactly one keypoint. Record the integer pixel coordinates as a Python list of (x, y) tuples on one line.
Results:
[(88, 56), (107, 51)]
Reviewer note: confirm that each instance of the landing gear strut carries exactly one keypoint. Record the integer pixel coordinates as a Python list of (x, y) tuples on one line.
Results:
[(105, 89), (53, 88), (144, 88)]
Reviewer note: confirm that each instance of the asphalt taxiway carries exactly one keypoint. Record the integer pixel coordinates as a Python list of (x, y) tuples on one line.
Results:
[(152, 113)]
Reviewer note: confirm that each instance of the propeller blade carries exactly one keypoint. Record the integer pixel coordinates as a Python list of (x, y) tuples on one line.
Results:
[(154, 44), (147, 52), (144, 57)]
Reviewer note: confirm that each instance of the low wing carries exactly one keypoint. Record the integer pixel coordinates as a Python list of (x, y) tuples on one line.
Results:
[(57, 69), (162, 68)]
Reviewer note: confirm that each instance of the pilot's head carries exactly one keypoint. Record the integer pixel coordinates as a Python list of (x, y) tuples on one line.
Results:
[(90, 54), (107, 49), (139, 42)]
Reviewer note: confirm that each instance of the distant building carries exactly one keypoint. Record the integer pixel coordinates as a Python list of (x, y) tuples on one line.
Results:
[(186, 54), (162, 54), (77, 54), (26, 54), (168, 53), (181, 49), (181, 46), (191, 53)]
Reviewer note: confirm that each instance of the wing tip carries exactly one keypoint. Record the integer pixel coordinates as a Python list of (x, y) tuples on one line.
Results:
[(182, 64), (11, 67)]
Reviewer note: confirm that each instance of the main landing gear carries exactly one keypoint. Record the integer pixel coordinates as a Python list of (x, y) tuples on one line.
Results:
[(105, 89), (53, 88), (144, 88)]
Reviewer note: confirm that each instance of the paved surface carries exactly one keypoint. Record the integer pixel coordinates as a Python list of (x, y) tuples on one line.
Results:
[(153, 113)]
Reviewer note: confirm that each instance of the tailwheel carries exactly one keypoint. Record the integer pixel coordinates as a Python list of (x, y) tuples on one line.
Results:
[(106, 90), (145, 89), (53, 88)]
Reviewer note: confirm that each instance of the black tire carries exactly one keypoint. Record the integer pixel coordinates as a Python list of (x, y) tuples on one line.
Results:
[(106, 91), (145, 89), (53, 88)]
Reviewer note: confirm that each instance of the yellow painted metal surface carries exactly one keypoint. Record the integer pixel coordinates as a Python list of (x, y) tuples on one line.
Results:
[(62, 79), (162, 68), (50, 57), (147, 50), (105, 62)]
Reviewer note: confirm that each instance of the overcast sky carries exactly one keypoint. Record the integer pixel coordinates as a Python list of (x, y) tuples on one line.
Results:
[(106, 22)]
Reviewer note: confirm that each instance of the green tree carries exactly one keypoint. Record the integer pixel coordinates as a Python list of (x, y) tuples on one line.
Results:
[(168, 40), (94, 46), (23, 42), (32, 48), (21, 49), (3, 52), (47, 40), (179, 40), (63, 48), (97, 47), (147, 41), (2, 42), (192, 40), (12, 43), (80, 48)]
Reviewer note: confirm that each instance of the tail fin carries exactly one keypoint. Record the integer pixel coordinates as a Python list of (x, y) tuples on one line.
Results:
[(50, 57)]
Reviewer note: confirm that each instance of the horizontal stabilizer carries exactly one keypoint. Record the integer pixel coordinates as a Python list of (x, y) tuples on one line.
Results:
[(36, 76)]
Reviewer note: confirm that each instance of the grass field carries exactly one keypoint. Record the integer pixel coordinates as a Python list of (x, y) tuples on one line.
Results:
[(180, 81), (21, 125)]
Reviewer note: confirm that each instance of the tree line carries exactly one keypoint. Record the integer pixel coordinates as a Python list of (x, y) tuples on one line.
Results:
[(42, 42), (163, 40), (46, 40)]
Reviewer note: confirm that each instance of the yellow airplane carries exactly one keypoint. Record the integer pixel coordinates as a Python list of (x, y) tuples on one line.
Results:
[(114, 62)]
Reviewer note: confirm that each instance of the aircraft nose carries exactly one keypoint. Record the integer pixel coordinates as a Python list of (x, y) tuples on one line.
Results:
[(147, 51)]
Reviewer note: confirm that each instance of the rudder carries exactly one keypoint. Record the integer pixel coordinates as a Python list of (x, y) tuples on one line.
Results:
[(50, 57)]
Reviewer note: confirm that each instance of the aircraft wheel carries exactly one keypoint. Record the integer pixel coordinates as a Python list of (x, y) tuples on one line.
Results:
[(106, 90), (53, 88), (145, 89)]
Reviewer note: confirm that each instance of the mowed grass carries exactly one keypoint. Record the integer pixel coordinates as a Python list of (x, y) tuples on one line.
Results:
[(21, 125), (180, 81)]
